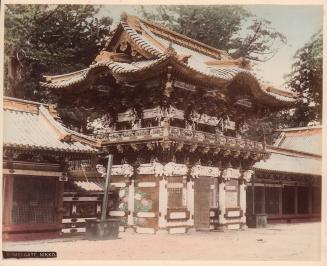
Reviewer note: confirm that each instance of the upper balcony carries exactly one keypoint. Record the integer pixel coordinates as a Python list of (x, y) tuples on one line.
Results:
[(179, 135)]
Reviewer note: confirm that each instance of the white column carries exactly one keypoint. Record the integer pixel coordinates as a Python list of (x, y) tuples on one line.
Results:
[(163, 201), (222, 205), (243, 201), (130, 220), (190, 201)]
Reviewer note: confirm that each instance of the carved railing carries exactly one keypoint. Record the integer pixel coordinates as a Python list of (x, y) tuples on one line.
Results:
[(215, 139), (131, 135), (178, 134)]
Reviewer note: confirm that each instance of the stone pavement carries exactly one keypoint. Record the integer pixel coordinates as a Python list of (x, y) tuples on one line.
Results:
[(276, 242)]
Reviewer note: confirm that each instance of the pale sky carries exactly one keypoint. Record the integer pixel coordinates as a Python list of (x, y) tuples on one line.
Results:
[(297, 23)]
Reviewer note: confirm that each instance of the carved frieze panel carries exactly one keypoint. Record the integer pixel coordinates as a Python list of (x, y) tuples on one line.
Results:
[(199, 170), (122, 169), (230, 173), (158, 169), (172, 169), (247, 175)]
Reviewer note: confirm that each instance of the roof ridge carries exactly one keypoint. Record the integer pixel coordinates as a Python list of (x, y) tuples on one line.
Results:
[(22, 101), (213, 51), (291, 152), (63, 134), (298, 128)]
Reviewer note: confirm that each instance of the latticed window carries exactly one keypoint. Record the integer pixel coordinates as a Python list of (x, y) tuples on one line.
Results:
[(34, 200), (176, 188)]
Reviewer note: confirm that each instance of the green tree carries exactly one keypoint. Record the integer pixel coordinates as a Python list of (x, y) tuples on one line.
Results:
[(230, 28), (54, 39), (306, 80)]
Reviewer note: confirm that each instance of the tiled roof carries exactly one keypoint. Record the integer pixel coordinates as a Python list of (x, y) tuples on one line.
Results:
[(290, 164), (310, 144), (155, 41), (139, 40), (308, 139), (37, 130)]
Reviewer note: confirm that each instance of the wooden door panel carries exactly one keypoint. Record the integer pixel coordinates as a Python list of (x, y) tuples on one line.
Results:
[(202, 203)]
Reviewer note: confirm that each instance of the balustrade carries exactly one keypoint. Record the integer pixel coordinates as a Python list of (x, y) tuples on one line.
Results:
[(175, 133)]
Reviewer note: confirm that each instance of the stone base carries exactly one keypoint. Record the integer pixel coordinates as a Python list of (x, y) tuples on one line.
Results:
[(177, 230), (221, 228), (102, 230), (258, 220), (162, 232), (243, 227), (130, 229), (191, 230)]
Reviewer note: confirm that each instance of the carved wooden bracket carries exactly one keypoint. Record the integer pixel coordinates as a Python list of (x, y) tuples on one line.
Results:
[(179, 146), (206, 149), (193, 147), (120, 148)]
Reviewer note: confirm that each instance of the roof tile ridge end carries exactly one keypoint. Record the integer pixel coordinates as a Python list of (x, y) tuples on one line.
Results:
[(62, 133)]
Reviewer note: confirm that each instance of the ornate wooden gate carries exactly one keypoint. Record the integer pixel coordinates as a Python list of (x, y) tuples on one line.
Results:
[(202, 203)]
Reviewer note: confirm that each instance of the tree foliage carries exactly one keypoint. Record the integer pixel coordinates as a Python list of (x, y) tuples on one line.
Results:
[(306, 80), (54, 39), (230, 28)]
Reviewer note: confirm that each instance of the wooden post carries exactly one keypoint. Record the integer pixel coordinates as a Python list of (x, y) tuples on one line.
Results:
[(263, 199), (243, 201), (222, 203), (253, 202), (106, 190), (131, 192), (190, 201), (163, 201), (310, 203), (8, 198), (60, 197), (280, 201), (295, 199)]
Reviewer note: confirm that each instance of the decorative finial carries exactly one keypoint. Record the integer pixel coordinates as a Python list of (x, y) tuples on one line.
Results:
[(123, 16), (170, 50)]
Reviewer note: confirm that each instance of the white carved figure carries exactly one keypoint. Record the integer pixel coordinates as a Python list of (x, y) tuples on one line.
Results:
[(136, 124), (122, 169), (172, 168), (247, 175), (199, 170), (101, 169), (146, 169), (158, 169), (230, 173)]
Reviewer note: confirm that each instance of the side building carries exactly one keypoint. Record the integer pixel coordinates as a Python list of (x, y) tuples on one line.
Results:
[(42, 160), (287, 186)]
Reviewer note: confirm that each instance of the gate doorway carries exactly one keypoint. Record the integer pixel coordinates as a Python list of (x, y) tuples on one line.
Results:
[(202, 204)]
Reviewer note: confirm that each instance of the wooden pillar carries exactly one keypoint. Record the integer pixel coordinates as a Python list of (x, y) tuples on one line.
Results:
[(280, 200), (295, 199), (60, 198), (263, 199), (243, 201), (130, 218), (222, 204), (190, 200), (253, 199), (310, 202), (7, 199), (163, 202)]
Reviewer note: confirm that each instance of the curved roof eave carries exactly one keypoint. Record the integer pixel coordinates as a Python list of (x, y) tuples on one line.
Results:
[(132, 72)]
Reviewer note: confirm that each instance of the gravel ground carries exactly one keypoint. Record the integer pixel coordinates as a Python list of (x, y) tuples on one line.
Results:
[(276, 242)]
